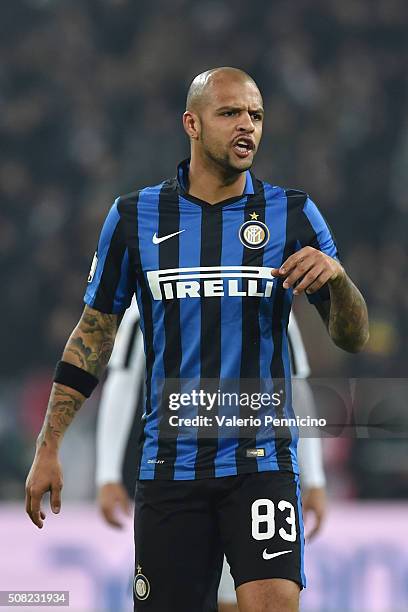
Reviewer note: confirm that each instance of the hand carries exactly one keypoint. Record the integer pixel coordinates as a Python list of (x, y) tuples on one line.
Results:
[(45, 475), (310, 268), (109, 496), (314, 501)]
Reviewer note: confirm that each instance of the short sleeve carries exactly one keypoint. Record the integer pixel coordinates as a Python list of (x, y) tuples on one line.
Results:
[(110, 288), (317, 233)]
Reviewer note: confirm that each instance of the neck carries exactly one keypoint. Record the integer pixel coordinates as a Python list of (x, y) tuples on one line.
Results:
[(208, 182)]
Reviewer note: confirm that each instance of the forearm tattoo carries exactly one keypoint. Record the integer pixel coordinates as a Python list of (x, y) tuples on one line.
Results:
[(89, 348), (63, 405), (348, 318)]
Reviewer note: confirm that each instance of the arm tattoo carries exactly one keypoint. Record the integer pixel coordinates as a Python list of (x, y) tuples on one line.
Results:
[(63, 405), (89, 348), (91, 343), (347, 317)]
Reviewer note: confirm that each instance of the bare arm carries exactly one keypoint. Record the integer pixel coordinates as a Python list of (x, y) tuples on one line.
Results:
[(346, 314), (89, 347)]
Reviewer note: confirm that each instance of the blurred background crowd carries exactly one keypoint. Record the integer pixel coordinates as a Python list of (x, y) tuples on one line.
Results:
[(91, 97)]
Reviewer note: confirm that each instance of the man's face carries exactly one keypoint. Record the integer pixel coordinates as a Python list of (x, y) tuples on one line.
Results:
[(231, 124)]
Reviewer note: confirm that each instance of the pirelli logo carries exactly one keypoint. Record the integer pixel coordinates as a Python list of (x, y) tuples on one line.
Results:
[(214, 281)]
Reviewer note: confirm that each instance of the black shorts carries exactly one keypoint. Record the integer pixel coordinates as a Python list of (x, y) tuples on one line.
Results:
[(183, 529)]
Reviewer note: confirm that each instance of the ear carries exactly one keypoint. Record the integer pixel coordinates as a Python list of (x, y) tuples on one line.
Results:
[(192, 125)]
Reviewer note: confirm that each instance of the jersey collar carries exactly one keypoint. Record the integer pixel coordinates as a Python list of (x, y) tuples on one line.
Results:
[(251, 183)]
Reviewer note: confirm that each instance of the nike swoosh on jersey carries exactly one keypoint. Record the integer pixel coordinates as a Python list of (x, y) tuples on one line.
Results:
[(268, 556), (157, 240)]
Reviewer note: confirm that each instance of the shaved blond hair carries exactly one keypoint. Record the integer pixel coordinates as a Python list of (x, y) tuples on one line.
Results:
[(201, 85)]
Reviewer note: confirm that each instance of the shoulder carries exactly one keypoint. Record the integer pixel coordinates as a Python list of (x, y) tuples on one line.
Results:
[(290, 197), (129, 201)]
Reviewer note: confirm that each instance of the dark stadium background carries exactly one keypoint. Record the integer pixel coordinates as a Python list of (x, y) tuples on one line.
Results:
[(91, 96)]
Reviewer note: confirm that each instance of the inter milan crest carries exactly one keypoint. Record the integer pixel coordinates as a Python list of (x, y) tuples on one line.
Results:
[(254, 234), (141, 585)]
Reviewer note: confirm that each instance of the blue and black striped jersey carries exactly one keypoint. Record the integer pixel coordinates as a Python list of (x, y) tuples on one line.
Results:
[(210, 311)]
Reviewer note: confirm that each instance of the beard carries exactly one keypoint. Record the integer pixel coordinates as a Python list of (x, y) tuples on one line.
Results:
[(222, 158)]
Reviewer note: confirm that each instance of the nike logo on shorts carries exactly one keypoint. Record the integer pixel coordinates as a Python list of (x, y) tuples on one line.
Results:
[(268, 556), (157, 240)]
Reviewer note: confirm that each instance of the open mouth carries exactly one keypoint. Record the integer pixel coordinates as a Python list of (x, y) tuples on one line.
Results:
[(243, 147)]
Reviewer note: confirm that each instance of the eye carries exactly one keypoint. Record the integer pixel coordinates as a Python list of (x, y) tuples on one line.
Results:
[(257, 116), (229, 113)]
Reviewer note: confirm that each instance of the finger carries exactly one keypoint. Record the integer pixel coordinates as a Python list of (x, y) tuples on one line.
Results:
[(290, 263), (28, 506), (55, 498), (282, 271), (294, 259), (322, 279), (35, 509), (308, 280), (298, 273), (109, 516)]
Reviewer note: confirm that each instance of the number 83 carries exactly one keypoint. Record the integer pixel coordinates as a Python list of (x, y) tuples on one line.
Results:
[(268, 519)]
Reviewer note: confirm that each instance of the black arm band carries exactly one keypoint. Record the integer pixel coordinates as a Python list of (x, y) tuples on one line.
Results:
[(70, 375)]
